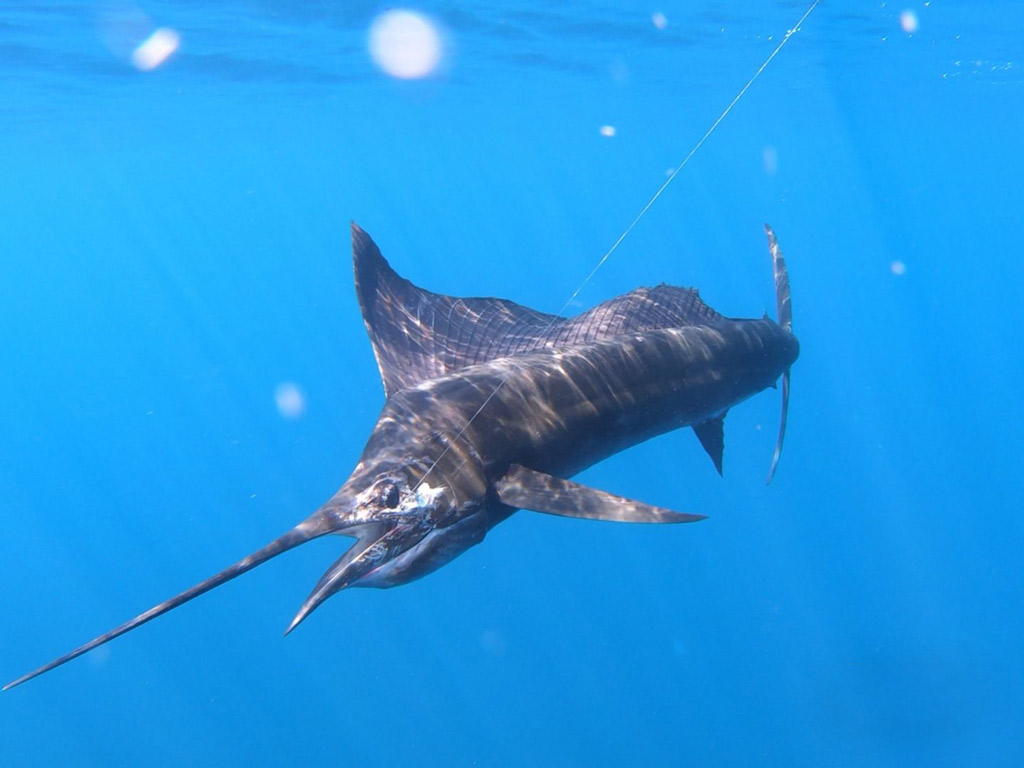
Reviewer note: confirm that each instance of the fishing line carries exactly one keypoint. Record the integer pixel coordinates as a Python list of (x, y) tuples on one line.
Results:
[(625, 233)]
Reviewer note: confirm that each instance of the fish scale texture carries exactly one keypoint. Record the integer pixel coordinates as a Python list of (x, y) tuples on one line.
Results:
[(419, 335)]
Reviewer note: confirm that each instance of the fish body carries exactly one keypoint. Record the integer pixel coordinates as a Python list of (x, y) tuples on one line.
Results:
[(492, 406)]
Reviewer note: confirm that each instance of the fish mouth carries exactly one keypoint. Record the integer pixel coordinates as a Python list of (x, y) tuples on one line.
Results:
[(376, 544)]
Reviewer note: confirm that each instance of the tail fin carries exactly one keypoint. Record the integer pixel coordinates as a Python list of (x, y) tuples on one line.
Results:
[(309, 529), (785, 319)]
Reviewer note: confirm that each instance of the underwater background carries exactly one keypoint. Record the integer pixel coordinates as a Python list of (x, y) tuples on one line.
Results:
[(184, 375)]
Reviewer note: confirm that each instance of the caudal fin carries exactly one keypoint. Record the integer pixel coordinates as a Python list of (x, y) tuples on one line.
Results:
[(785, 319)]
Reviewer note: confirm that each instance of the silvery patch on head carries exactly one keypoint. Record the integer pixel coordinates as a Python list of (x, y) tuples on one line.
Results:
[(426, 494)]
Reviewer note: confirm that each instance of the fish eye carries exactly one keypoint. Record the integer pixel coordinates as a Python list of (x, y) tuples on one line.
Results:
[(387, 494)]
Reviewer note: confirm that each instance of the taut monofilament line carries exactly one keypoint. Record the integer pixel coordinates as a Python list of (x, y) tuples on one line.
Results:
[(647, 206)]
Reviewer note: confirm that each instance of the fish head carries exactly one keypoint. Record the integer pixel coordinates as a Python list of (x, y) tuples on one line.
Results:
[(392, 494), (389, 512)]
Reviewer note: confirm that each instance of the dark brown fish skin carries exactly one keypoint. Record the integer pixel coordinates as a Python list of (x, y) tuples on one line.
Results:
[(487, 397), (419, 335), (561, 410)]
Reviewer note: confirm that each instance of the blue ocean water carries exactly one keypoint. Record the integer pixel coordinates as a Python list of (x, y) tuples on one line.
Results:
[(175, 250)]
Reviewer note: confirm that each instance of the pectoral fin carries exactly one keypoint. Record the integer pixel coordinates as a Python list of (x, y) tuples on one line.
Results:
[(529, 489)]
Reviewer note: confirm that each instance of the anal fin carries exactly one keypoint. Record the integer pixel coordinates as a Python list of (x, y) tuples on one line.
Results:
[(711, 434), (528, 489)]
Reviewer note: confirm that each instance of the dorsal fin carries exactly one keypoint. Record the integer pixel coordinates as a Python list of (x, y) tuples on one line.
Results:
[(419, 335)]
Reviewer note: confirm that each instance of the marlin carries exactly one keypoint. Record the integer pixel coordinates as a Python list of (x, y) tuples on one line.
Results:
[(491, 406)]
